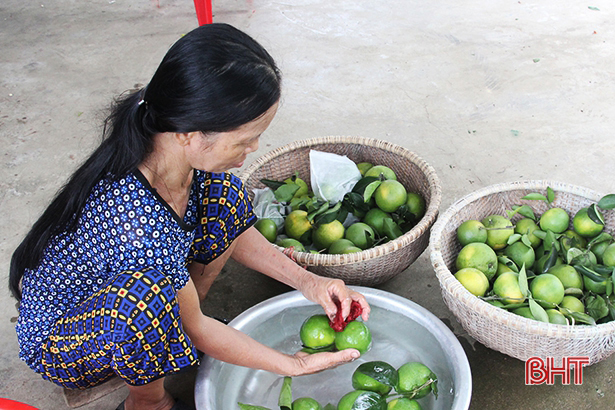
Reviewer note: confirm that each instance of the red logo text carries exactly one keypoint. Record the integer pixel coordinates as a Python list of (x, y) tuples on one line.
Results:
[(539, 371)]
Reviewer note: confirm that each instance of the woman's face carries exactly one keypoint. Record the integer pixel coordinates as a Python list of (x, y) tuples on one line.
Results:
[(222, 151)]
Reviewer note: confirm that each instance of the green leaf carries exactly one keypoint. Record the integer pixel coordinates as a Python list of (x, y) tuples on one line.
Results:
[(573, 292), (572, 254), (363, 183), (607, 202), (538, 311), (251, 407), (602, 237), (285, 400), (370, 189), (551, 260), (354, 203), (312, 350), (513, 238), (526, 240), (595, 215), (506, 261), (523, 282), (380, 371), (368, 401), (535, 196), (300, 202), (589, 273), (272, 183), (328, 215), (323, 208), (550, 195), (577, 316), (527, 211), (330, 406), (285, 192), (596, 307), (391, 229), (540, 234), (514, 305)]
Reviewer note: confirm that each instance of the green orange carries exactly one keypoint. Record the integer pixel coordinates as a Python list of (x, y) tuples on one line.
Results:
[(555, 220), (316, 332), (479, 256), (356, 335)]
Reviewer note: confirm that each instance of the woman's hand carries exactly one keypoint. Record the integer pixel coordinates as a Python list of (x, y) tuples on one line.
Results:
[(255, 252), (306, 363), (325, 291)]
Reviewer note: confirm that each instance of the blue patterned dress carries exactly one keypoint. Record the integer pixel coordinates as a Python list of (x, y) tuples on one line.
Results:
[(103, 299)]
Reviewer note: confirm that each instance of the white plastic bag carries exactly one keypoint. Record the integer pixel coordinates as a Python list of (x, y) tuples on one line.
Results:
[(266, 206), (333, 175)]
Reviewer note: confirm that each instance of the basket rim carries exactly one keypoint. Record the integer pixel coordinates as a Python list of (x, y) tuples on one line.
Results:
[(412, 235), (452, 286)]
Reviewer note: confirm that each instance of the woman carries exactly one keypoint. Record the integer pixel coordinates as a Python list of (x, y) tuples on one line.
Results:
[(111, 275)]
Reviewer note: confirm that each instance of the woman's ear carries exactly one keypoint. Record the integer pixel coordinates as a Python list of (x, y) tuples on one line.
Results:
[(185, 138)]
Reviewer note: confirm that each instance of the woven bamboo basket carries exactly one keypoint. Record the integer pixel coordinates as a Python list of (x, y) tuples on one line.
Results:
[(494, 327), (378, 264)]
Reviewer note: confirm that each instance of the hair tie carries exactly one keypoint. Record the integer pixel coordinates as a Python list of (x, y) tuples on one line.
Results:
[(142, 100)]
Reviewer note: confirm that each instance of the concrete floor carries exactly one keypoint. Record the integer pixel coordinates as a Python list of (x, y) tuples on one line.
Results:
[(486, 92)]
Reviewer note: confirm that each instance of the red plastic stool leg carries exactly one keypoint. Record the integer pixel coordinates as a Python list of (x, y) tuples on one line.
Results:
[(203, 11)]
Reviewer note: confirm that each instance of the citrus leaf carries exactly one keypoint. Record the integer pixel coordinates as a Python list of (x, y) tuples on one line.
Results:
[(595, 215), (285, 401), (589, 273), (572, 254), (285, 192), (550, 241), (538, 311), (535, 196), (573, 292), (607, 202), (330, 406), (540, 234), (550, 195), (328, 215), (362, 184), (609, 288), (323, 208), (369, 400), (602, 237), (526, 210), (380, 371), (506, 261), (526, 240), (355, 202), (342, 214), (551, 260), (251, 407), (300, 202), (391, 229), (272, 183), (312, 350), (523, 282), (596, 307), (370, 189), (513, 238), (513, 305), (577, 316)]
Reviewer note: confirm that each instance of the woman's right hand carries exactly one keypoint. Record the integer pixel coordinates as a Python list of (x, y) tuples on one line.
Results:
[(307, 363)]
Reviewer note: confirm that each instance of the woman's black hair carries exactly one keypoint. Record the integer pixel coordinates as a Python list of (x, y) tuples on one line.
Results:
[(214, 79)]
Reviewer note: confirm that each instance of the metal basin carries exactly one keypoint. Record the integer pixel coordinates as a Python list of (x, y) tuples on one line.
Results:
[(402, 331)]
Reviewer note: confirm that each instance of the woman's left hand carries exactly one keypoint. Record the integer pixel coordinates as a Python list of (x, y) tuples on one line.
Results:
[(325, 291)]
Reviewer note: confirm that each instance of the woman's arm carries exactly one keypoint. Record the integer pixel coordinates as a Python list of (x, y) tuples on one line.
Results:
[(255, 252), (232, 346)]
